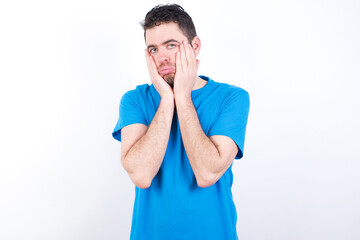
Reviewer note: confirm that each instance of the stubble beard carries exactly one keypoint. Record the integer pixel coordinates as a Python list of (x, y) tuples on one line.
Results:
[(169, 78)]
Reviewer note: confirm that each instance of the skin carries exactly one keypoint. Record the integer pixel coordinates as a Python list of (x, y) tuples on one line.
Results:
[(209, 157), (172, 50)]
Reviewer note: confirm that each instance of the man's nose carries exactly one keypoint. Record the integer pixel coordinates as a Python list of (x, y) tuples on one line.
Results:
[(163, 56)]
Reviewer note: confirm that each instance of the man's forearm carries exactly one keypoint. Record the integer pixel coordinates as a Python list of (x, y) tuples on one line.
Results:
[(203, 155), (144, 159)]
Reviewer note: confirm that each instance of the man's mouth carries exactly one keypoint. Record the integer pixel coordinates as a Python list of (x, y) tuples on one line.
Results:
[(166, 70)]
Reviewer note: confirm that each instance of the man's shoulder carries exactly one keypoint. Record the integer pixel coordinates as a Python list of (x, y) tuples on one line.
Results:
[(229, 89), (138, 91), (140, 88)]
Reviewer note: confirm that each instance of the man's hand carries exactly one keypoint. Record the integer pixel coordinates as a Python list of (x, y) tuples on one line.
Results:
[(186, 70), (159, 83)]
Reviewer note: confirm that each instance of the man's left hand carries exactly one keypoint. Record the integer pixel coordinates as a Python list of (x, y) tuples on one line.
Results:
[(186, 70)]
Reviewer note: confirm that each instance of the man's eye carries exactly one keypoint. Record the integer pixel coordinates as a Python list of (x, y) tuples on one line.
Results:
[(172, 45), (152, 50)]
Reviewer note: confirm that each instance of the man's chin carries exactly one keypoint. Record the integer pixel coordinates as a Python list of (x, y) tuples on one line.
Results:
[(169, 78)]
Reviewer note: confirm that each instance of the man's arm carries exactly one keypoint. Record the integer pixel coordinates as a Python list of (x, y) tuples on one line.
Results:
[(209, 157), (143, 148)]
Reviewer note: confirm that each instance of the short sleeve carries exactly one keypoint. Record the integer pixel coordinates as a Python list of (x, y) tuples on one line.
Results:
[(232, 119), (130, 112)]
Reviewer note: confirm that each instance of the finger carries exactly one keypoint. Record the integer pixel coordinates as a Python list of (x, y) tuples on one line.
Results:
[(191, 59), (190, 53), (179, 67), (183, 56), (151, 62), (153, 66), (148, 61), (147, 56)]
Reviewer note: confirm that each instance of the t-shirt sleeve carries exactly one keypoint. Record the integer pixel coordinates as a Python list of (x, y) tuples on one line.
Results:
[(130, 112), (232, 119)]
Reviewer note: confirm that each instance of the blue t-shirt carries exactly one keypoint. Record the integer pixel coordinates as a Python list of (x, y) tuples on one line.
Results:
[(174, 206)]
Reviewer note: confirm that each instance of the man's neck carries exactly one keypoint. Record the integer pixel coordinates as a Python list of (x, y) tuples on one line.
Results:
[(199, 83)]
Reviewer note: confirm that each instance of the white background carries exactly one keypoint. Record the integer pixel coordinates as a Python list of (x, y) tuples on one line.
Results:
[(64, 66)]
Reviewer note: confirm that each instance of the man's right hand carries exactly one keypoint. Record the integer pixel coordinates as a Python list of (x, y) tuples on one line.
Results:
[(159, 83)]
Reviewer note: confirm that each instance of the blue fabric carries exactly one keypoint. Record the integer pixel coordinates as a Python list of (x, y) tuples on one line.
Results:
[(174, 206)]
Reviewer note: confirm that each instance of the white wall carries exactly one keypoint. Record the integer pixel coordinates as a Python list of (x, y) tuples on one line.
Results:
[(64, 66)]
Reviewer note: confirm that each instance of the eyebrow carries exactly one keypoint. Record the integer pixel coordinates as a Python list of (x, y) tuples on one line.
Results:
[(164, 43)]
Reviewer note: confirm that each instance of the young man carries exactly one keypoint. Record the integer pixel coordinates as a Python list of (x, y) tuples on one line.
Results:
[(180, 136)]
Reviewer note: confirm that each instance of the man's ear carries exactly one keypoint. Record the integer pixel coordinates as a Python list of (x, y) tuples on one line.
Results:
[(196, 44)]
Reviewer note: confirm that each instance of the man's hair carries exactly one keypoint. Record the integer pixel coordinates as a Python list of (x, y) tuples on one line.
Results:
[(170, 13)]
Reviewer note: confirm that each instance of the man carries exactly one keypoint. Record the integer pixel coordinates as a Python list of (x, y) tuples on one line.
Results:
[(180, 136)]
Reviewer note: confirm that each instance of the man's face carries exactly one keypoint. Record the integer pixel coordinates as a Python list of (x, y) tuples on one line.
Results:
[(163, 43)]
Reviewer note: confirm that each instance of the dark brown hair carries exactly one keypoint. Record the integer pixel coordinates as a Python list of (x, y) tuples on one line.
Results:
[(170, 13)]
